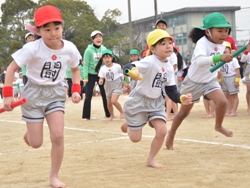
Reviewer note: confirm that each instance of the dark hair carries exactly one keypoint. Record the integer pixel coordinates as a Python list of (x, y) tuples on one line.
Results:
[(158, 42), (100, 62), (179, 60), (195, 34), (56, 23)]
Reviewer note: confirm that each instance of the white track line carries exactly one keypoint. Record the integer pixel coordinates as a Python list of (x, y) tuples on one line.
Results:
[(144, 136)]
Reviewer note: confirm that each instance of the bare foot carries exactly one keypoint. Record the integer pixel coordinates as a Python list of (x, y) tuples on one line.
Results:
[(25, 138), (56, 183), (85, 119), (170, 119), (111, 118), (124, 127), (169, 140), (224, 131), (121, 116), (208, 116), (153, 164), (231, 115)]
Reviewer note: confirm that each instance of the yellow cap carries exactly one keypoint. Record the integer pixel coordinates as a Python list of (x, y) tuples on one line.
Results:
[(228, 44), (156, 35)]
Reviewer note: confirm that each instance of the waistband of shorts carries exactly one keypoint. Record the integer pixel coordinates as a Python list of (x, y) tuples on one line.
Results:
[(29, 82), (198, 83)]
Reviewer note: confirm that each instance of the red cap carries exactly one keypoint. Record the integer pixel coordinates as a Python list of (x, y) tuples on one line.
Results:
[(46, 14), (176, 48)]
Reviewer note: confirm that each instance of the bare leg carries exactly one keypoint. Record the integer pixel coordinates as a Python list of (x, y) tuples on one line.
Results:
[(161, 130), (114, 101), (26, 139), (124, 127), (111, 109), (179, 117), (235, 103), (248, 97), (55, 122), (221, 104)]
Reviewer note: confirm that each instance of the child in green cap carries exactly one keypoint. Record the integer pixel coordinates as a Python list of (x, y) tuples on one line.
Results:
[(111, 73), (209, 39)]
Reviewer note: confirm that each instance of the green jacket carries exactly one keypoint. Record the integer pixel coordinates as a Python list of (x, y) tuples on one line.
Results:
[(91, 58)]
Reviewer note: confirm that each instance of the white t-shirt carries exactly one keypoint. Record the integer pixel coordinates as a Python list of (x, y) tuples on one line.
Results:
[(246, 58), (228, 69), (204, 48), (110, 73), (155, 76), (180, 72), (44, 65)]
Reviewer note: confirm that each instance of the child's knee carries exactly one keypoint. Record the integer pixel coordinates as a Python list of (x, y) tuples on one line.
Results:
[(135, 138)]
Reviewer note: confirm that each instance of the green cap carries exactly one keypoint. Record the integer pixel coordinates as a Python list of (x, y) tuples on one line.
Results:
[(214, 19), (107, 51), (134, 52)]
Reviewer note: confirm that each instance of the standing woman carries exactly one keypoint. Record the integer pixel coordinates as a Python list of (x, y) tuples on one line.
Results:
[(91, 57)]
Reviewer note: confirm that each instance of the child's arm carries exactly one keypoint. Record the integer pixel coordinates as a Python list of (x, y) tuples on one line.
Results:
[(7, 89), (101, 81), (76, 88), (237, 78), (176, 97)]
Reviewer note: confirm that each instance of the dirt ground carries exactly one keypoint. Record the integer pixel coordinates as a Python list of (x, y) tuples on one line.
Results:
[(98, 154)]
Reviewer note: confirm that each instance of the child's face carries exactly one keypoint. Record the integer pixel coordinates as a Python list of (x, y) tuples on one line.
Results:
[(98, 40), (30, 38), (227, 51), (107, 59), (217, 35), (162, 26), (51, 34), (163, 49), (134, 57)]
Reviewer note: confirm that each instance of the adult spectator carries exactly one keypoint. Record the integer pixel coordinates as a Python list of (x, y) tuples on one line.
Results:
[(91, 57)]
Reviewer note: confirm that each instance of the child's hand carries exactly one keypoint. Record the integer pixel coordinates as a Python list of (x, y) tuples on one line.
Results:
[(100, 82), (227, 58), (7, 103), (186, 99), (136, 75), (76, 98), (85, 81)]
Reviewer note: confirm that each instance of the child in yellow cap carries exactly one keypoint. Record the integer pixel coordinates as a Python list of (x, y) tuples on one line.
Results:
[(230, 82), (145, 103), (46, 60), (209, 50)]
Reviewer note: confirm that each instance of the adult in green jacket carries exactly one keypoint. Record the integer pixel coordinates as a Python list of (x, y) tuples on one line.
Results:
[(91, 57)]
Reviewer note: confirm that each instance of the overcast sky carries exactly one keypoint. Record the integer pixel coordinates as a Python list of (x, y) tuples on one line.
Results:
[(145, 8)]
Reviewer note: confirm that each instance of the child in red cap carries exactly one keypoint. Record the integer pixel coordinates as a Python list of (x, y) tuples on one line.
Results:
[(46, 60)]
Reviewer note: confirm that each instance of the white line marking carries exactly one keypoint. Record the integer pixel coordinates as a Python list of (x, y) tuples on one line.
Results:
[(126, 137)]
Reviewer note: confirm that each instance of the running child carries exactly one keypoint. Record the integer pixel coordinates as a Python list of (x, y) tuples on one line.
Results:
[(111, 73), (145, 102), (46, 60), (209, 50)]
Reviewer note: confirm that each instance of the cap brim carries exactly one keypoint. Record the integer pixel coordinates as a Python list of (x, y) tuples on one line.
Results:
[(216, 26), (31, 28)]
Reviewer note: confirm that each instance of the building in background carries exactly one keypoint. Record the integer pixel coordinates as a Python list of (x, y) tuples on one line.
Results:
[(180, 22)]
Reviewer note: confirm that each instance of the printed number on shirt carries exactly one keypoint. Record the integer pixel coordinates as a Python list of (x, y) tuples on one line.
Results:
[(51, 71), (159, 79)]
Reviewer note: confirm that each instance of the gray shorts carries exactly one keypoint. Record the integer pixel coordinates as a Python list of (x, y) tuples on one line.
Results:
[(198, 89), (138, 110), (228, 85), (247, 74), (113, 87), (41, 101)]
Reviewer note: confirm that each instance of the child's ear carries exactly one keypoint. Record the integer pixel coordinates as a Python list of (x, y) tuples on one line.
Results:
[(207, 32)]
